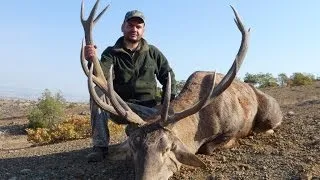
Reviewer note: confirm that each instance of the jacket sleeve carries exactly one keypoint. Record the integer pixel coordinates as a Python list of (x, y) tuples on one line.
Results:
[(163, 70), (106, 61)]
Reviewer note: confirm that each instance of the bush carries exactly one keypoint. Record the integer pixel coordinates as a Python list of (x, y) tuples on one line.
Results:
[(116, 130), (272, 84), (251, 79), (261, 80), (74, 127), (300, 79), (48, 111)]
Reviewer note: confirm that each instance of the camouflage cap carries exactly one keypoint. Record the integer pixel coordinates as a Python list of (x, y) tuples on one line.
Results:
[(134, 13)]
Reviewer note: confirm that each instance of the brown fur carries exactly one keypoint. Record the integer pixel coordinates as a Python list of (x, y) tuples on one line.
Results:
[(233, 114)]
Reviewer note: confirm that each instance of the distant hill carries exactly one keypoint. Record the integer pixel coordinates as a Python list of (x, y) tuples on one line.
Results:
[(7, 92)]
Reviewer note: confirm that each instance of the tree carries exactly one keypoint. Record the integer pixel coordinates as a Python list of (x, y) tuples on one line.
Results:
[(180, 85), (266, 80), (261, 80), (251, 78), (299, 79), (283, 79)]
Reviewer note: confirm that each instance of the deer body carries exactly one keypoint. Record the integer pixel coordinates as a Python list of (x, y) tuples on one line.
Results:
[(230, 116)]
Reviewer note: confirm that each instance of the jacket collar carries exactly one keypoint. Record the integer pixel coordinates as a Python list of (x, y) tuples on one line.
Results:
[(119, 47)]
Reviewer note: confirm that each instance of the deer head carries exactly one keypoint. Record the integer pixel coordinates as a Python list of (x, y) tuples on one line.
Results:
[(156, 150)]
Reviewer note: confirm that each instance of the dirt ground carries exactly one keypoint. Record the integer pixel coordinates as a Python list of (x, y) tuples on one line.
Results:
[(292, 152)]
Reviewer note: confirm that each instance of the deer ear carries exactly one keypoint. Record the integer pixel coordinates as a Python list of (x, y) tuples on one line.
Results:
[(184, 156)]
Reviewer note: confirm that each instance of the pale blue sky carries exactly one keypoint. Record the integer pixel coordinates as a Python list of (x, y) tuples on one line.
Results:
[(40, 40)]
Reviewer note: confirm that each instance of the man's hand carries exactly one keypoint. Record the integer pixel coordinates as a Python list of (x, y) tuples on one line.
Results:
[(90, 52)]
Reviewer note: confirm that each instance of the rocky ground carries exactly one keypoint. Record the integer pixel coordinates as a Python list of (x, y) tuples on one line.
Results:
[(292, 152)]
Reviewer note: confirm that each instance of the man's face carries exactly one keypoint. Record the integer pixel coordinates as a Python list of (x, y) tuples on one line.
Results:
[(133, 29)]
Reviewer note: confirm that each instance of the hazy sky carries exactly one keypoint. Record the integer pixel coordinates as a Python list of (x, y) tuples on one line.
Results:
[(40, 40)]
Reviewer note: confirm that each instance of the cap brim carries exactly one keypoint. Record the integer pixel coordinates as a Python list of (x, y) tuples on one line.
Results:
[(136, 17)]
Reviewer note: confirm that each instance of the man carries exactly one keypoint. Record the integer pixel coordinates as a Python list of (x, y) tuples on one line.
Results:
[(137, 65)]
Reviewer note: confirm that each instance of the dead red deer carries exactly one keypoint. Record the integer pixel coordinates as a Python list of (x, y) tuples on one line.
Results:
[(220, 114)]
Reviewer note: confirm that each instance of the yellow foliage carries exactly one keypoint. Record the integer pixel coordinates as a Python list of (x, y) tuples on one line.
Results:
[(74, 127), (115, 130)]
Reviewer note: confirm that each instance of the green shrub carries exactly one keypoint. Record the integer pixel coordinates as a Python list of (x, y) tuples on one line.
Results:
[(261, 80), (48, 111), (300, 79)]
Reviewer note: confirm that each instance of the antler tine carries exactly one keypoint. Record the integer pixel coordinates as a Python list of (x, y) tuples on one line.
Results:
[(83, 60), (82, 13), (100, 14), (88, 24), (121, 111), (87, 27), (166, 100), (227, 79), (99, 81), (95, 96), (93, 11), (129, 115), (96, 80), (238, 21)]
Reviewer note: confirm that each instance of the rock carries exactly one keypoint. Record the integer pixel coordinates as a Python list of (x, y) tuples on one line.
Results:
[(290, 113), (270, 131), (84, 113), (224, 159)]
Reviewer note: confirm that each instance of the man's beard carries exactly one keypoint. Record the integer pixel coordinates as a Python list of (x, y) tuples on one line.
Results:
[(133, 40)]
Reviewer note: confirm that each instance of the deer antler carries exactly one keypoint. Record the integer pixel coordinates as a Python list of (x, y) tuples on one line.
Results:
[(116, 107), (225, 82), (166, 100), (87, 27), (166, 119), (96, 75)]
